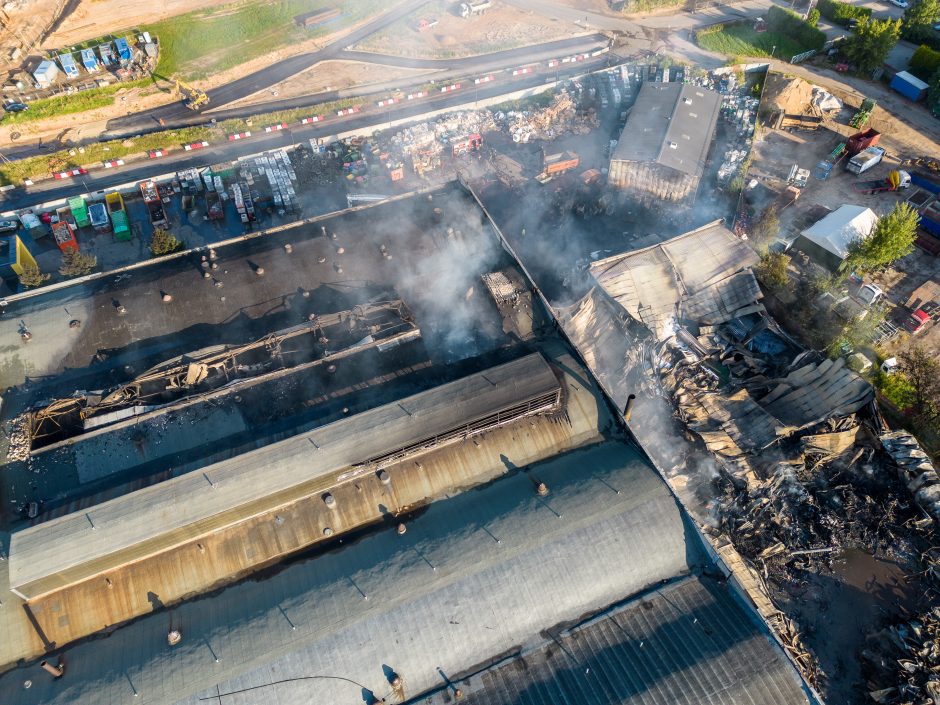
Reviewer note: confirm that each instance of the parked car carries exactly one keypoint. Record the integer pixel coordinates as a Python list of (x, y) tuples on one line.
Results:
[(15, 107), (903, 4), (9, 226), (916, 322)]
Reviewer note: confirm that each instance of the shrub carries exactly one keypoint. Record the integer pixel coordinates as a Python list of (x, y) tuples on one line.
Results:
[(772, 270), (924, 63), (32, 276), (842, 12), (791, 24), (812, 18), (164, 242), (77, 264)]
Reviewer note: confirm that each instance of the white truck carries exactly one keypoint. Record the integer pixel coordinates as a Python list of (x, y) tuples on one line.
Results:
[(474, 7), (865, 160)]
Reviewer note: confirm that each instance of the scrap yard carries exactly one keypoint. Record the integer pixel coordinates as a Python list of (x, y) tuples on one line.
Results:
[(569, 371)]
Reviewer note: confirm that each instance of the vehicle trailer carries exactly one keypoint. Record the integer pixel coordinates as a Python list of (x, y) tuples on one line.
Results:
[(861, 141), (865, 160), (896, 181)]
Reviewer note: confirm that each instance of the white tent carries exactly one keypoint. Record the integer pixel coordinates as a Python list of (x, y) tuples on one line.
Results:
[(829, 238)]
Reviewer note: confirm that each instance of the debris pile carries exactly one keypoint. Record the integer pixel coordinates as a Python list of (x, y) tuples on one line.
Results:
[(548, 123), (905, 659)]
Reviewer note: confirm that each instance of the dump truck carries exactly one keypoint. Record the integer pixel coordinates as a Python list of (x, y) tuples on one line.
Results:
[(115, 203), (98, 215), (865, 160), (555, 164), (151, 193), (79, 211), (862, 140), (896, 181), (825, 167), (474, 8)]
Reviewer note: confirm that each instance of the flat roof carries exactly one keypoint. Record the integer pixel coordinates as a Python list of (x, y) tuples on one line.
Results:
[(671, 124), (73, 547)]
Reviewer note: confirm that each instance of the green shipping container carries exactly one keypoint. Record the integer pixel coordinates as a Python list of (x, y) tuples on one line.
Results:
[(79, 211), (121, 229)]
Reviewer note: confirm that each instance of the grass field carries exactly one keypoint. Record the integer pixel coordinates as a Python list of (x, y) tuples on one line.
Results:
[(201, 43), (67, 104), (742, 40)]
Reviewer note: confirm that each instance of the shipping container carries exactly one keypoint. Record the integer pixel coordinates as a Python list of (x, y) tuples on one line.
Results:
[(865, 160), (909, 86), (67, 62), (118, 215), (79, 211), (925, 182), (98, 215), (123, 49), (861, 141)]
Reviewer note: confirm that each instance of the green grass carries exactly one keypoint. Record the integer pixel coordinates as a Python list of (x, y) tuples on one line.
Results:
[(742, 40), (203, 42), (67, 104)]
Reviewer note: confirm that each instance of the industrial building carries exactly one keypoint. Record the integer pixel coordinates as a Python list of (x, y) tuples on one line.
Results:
[(662, 150), (379, 475)]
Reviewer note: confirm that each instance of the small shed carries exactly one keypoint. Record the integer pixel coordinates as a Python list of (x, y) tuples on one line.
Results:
[(827, 241), (106, 52), (89, 60), (67, 61), (123, 49), (46, 73)]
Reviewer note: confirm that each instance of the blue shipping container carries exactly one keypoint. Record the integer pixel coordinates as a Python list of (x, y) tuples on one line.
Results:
[(909, 86), (924, 182)]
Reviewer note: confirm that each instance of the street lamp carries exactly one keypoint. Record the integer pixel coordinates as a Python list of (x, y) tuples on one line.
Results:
[(772, 51)]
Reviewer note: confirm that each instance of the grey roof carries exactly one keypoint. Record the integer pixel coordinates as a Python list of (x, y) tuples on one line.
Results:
[(39, 555), (697, 266), (815, 392), (686, 644), (474, 577), (671, 124)]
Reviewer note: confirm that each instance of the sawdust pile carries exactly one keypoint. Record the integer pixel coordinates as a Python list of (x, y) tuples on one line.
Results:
[(788, 94)]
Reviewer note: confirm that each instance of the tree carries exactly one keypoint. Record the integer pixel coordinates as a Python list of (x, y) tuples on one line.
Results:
[(923, 372), (77, 264), (164, 242), (873, 39), (765, 229), (892, 238), (32, 276), (772, 269), (812, 18), (921, 14)]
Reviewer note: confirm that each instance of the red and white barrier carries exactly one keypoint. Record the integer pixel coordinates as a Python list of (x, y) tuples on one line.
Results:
[(419, 94), (239, 136), (483, 79), (387, 101), (157, 153), (451, 87), (347, 111), (309, 120), (195, 145), (110, 164), (70, 173), (520, 72), (553, 63), (275, 128)]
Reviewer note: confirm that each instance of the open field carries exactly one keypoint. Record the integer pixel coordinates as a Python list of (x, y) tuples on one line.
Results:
[(207, 41), (502, 27), (68, 104), (743, 40)]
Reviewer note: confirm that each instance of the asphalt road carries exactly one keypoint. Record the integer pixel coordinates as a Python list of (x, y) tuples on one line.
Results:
[(102, 179), (448, 69)]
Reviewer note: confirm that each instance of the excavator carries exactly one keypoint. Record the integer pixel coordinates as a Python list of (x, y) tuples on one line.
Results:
[(193, 97)]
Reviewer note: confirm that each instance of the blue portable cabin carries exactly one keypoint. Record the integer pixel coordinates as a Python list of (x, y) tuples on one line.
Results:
[(123, 50), (107, 54), (67, 62), (909, 86), (89, 60)]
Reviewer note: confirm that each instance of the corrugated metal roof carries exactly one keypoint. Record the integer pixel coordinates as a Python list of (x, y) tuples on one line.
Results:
[(816, 392), (474, 577), (40, 555), (671, 124), (650, 283), (687, 644)]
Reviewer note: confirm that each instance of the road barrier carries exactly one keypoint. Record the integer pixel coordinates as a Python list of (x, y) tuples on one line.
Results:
[(196, 145), (521, 72), (113, 163), (386, 101), (70, 173), (483, 79), (156, 153), (419, 94), (451, 87), (275, 128), (347, 111), (239, 136), (310, 120)]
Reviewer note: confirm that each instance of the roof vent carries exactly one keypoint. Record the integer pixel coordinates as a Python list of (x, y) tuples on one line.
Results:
[(673, 145)]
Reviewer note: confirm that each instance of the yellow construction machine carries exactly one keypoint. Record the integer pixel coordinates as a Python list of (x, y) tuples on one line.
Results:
[(193, 97)]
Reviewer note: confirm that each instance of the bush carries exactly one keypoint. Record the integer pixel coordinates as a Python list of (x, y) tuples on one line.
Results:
[(924, 63), (813, 17), (896, 388), (842, 13), (32, 276), (164, 242), (791, 24), (772, 270), (77, 264)]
